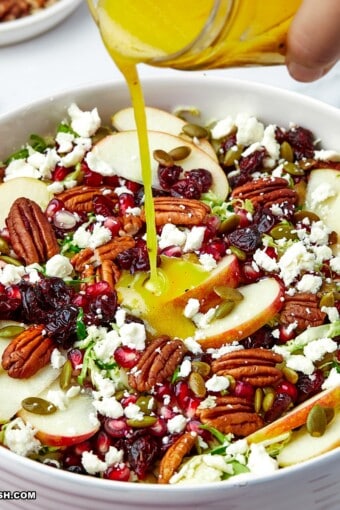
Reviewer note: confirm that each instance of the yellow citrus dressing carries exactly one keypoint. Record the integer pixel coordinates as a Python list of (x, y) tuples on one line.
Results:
[(135, 31)]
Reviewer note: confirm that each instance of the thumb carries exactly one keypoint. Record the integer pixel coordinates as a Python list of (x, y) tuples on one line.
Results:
[(313, 43)]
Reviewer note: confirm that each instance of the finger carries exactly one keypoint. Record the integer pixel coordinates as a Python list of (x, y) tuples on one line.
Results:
[(313, 43)]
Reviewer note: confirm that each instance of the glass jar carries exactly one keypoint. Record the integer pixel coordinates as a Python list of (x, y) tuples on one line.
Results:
[(196, 34)]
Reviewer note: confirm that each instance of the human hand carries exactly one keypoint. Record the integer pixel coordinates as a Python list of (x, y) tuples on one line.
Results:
[(313, 43)]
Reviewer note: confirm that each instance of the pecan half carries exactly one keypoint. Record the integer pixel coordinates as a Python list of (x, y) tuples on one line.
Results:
[(302, 310), (32, 237), (174, 456), (80, 198), (157, 363), (107, 272), (108, 251), (179, 211), (27, 353), (232, 414), (255, 366), (266, 191)]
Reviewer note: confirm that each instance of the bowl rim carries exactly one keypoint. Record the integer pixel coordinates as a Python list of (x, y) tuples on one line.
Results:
[(240, 85)]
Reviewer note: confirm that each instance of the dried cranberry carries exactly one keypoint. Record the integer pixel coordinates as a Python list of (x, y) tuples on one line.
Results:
[(261, 338), (246, 239), (202, 177), (186, 188), (168, 175), (215, 247), (101, 310), (301, 139), (62, 325), (227, 144), (281, 403), (308, 386), (102, 205), (119, 473), (264, 220), (135, 259), (253, 162), (142, 453)]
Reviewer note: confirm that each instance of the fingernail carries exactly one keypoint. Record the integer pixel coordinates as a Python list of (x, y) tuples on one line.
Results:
[(302, 73)]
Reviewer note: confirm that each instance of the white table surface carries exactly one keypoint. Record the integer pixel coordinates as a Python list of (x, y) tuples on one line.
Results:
[(72, 55)]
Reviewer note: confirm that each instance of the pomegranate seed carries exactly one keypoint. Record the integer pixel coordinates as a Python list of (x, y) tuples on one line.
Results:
[(80, 448), (129, 399), (125, 201), (114, 224), (271, 252), (5, 234), (116, 427), (126, 357), (159, 428), (287, 388), (132, 186), (195, 426), (102, 442), (76, 357), (13, 292), (64, 220), (244, 390), (71, 459), (192, 405), (250, 274), (54, 205), (286, 333), (97, 289), (80, 300), (182, 393), (245, 217), (172, 251), (167, 412), (215, 247), (92, 178), (212, 225), (112, 180), (59, 173), (162, 391), (119, 473)]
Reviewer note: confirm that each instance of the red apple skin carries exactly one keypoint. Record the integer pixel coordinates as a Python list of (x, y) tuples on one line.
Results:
[(229, 275), (297, 417), (51, 440), (246, 328)]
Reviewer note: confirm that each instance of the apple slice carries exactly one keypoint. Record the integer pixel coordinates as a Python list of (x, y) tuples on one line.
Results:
[(14, 391), (65, 427), (302, 446), (328, 209), (119, 154), (261, 301), (22, 187), (296, 417), (227, 272), (158, 120)]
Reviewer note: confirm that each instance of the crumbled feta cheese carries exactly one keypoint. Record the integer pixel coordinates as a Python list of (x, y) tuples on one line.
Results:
[(98, 165), (322, 193), (264, 261), (207, 261), (133, 412), (19, 168), (332, 381), (317, 349), (133, 335), (191, 308), (208, 402), (217, 383), (114, 456), (205, 468), (295, 259), (185, 368), (249, 129), (20, 438), (87, 239), (194, 239), (120, 317), (319, 233), (171, 236), (192, 345), (309, 283), (64, 141), (57, 359), (105, 347), (84, 123), (217, 353), (59, 266), (202, 320), (177, 424), (222, 128), (300, 363), (10, 274), (260, 462), (109, 407), (327, 155), (322, 253), (105, 386), (92, 463), (332, 312), (334, 264)]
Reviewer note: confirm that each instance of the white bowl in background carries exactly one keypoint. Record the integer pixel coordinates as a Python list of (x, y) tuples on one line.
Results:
[(313, 485), (18, 30)]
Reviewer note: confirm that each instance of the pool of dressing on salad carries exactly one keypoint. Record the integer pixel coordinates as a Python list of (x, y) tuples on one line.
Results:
[(135, 32)]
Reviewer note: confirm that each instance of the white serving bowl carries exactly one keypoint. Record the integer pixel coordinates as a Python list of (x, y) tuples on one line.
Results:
[(18, 30), (313, 485)]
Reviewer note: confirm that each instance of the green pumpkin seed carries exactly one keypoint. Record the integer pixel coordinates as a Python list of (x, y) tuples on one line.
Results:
[(224, 309), (268, 401), (306, 164), (293, 169), (283, 231), (201, 367), (179, 153), (146, 421), (10, 260), (233, 154), (66, 375), (38, 405), (228, 294), (146, 403), (330, 413), (290, 375), (258, 399), (301, 215), (197, 384), (327, 300), (286, 152), (229, 224), (240, 254), (162, 157), (77, 175), (195, 131), (4, 248), (11, 331), (301, 191), (316, 421)]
